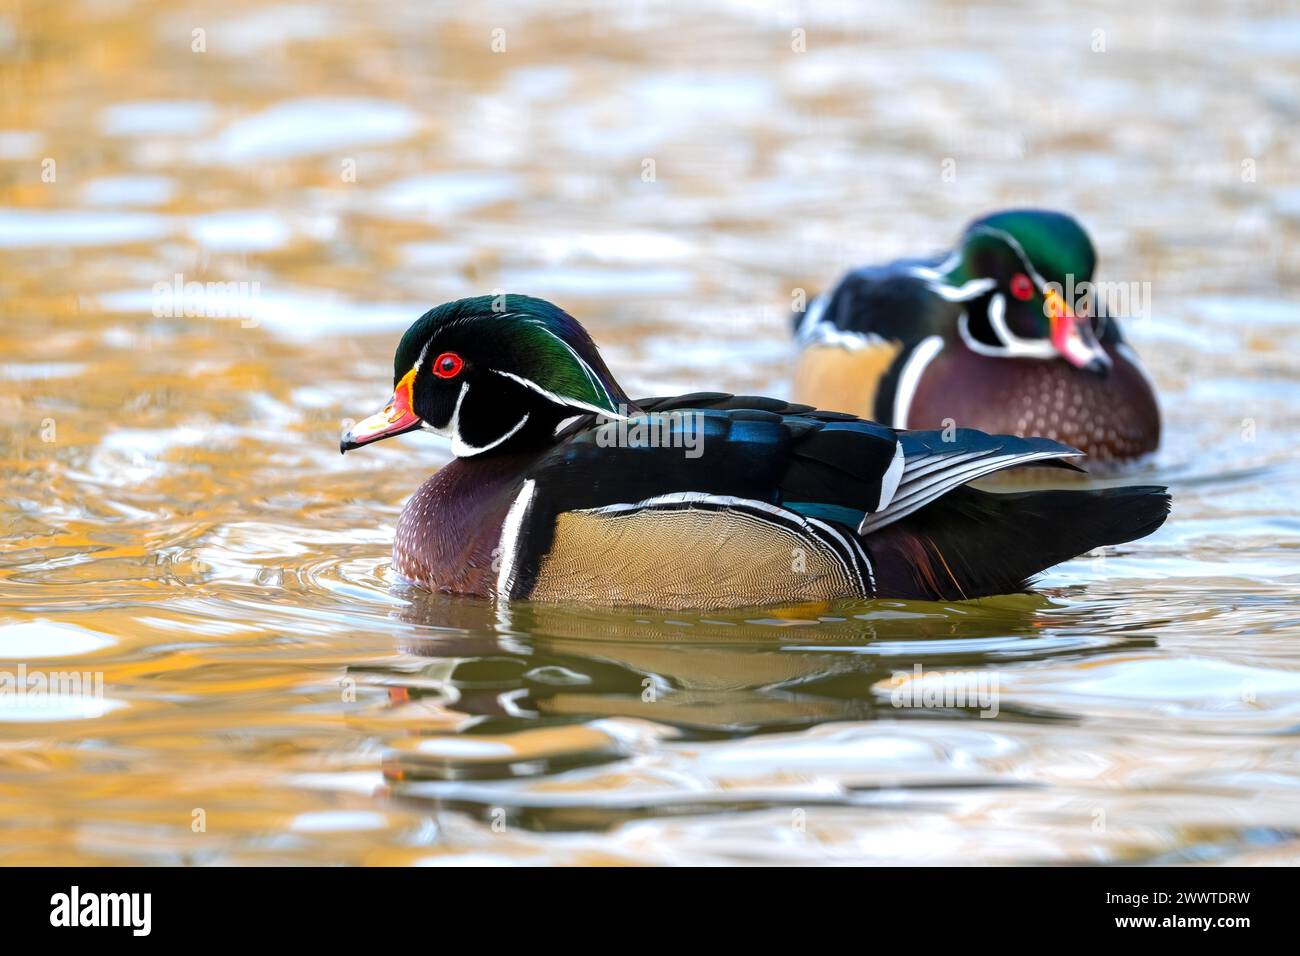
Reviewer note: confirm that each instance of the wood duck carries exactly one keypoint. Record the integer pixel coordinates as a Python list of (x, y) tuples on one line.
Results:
[(563, 489), (988, 336)]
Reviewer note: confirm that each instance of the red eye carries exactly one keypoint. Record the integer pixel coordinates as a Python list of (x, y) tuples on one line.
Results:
[(1021, 287), (448, 365)]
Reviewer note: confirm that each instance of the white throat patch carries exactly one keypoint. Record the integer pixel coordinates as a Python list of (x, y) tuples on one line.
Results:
[(461, 448), (1013, 346)]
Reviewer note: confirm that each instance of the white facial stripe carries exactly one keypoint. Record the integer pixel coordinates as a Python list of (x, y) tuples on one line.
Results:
[(910, 377), (1019, 250), (591, 373), (962, 293), (423, 352), (935, 278), (587, 369), (1016, 346), (974, 344), (461, 448), (556, 398)]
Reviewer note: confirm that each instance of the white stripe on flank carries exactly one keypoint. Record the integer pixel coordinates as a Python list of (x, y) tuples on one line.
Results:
[(685, 498), (730, 501), (910, 377), (508, 545), (849, 551)]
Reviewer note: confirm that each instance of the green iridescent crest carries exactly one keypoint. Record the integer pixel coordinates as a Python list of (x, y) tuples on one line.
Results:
[(525, 339), (1052, 244)]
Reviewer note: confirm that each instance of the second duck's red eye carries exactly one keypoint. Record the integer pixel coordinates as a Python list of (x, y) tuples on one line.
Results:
[(448, 365), (1021, 287)]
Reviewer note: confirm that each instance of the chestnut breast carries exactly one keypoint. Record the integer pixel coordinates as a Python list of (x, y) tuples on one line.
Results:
[(450, 528), (1110, 419)]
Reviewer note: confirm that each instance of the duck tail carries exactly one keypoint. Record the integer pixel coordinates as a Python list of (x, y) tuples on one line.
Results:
[(973, 543)]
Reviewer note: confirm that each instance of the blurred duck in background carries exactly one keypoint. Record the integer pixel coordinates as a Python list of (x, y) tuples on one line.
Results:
[(994, 336)]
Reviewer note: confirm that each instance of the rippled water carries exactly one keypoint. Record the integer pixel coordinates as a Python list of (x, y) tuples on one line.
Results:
[(179, 526)]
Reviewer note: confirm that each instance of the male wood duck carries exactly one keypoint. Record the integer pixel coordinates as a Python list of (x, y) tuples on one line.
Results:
[(563, 489), (984, 337)]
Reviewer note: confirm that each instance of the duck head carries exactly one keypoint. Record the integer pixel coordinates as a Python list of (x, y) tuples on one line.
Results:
[(492, 374), (1010, 271)]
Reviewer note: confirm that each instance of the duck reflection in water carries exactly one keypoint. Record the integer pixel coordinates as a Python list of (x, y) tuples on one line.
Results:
[(719, 673)]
